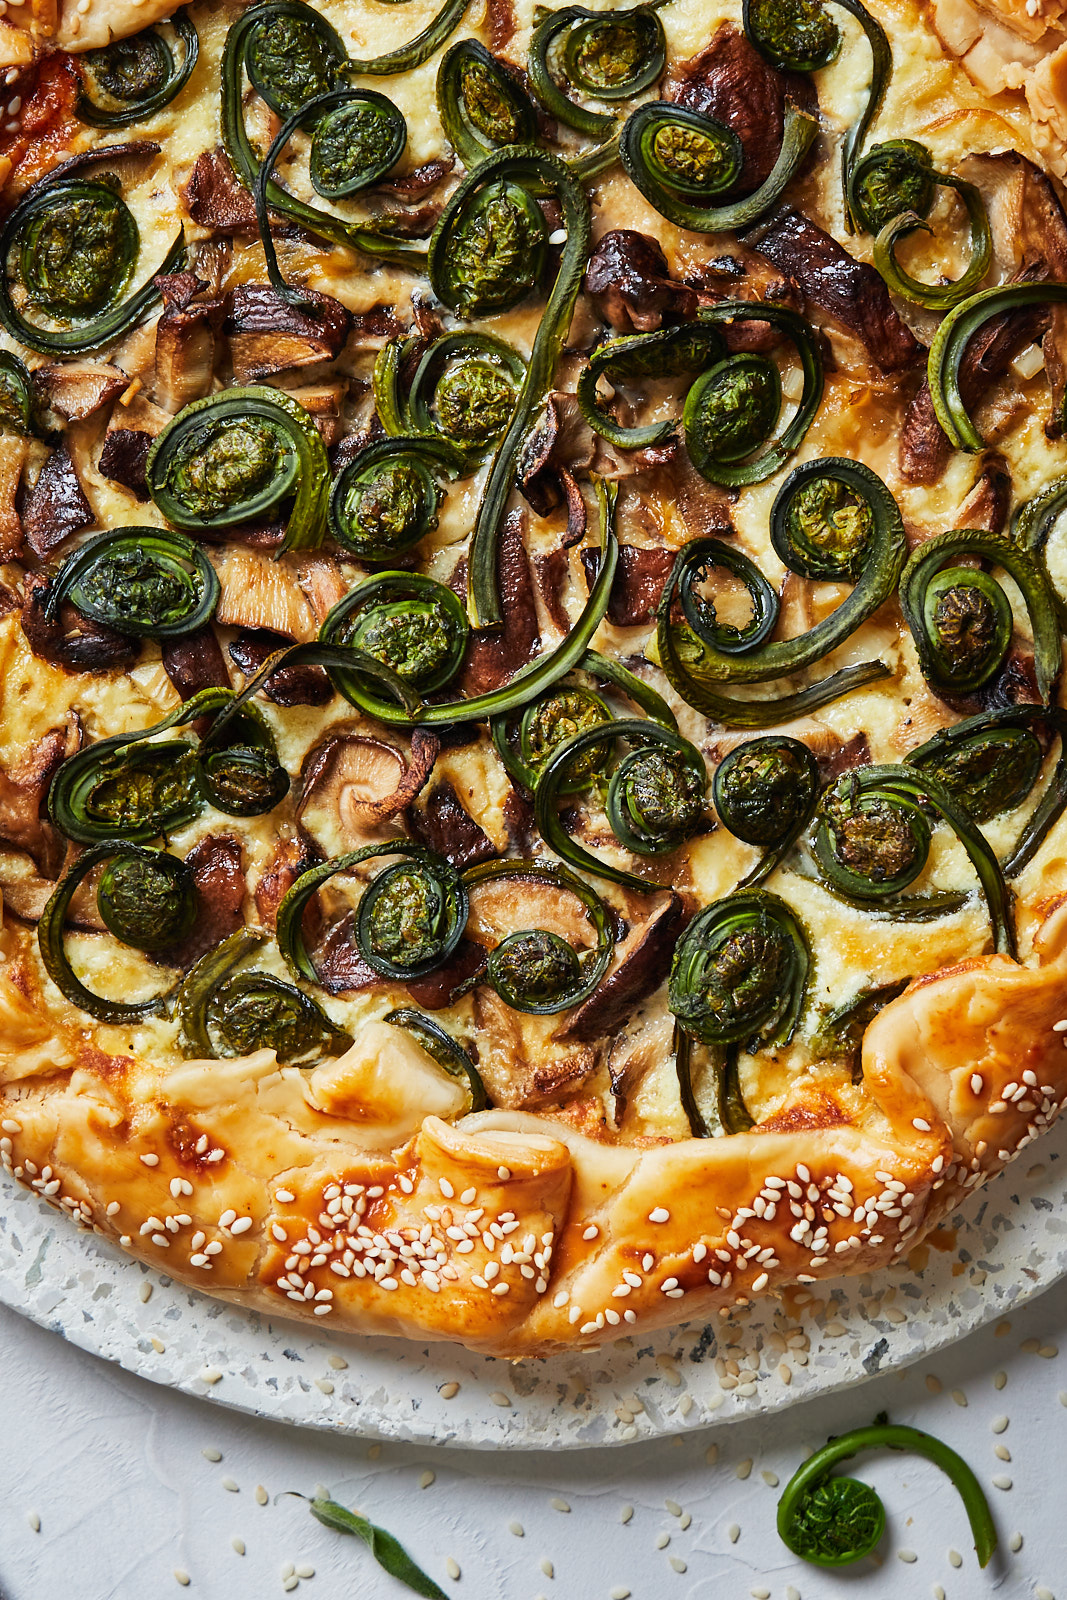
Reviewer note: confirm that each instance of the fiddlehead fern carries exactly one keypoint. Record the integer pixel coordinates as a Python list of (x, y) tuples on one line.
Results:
[(131, 79), (386, 498), (140, 581), (604, 55), (225, 1012)]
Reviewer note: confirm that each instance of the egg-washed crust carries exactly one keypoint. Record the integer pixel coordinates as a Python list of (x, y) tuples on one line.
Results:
[(338, 1193)]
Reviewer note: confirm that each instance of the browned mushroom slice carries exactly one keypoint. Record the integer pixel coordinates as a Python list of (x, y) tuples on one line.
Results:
[(323, 401), (640, 965), (75, 389), (186, 340), (291, 857), (13, 452), (322, 582), (56, 506), (213, 197), (989, 501), (129, 436), (630, 281), (70, 640), (292, 686), (561, 444), (352, 785), (837, 289), (195, 662), (744, 274), (446, 825), (218, 872), (495, 655), (342, 970), (23, 791), (640, 579), (521, 1061), (419, 181), (258, 592), (553, 572), (730, 81), (500, 906), (267, 335)]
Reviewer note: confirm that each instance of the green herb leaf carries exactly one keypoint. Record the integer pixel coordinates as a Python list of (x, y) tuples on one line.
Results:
[(387, 1551)]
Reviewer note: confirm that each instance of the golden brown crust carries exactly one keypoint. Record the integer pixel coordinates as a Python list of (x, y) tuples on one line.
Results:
[(510, 1233)]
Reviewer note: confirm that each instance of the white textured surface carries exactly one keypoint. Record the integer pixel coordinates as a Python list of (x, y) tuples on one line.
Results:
[(113, 1468), (1009, 1241)]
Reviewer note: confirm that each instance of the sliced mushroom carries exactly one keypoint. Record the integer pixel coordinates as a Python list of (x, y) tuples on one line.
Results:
[(72, 641), (495, 655), (75, 390), (213, 197), (342, 970), (130, 432), (291, 857), (445, 825), (195, 662), (561, 444), (838, 291), (636, 1052), (629, 279), (552, 572), (500, 906), (640, 579), (731, 82), (323, 401), (23, 792), (218, 873), (186, 340), (745, 274), (640, 965), (989, 501), (322, 582), (420, 180), (520, 1061), (291, 686), (13, 451), (55, 507), (267, 335), (260, 593), (352, 785)]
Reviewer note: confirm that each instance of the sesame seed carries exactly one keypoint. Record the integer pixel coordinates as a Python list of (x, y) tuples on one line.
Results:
[(231, 1485), (626, 1514), (1002, 1452), (284, 1197), (770, 1479), (242, 1225), (920, 1123), (1015, 1543), (152, 1161), (452, 1567), (427, 1478), (499, 1398), (620, 1593), (1041, 1593), (959, 1397), (305, 1571), (210, 1375), (907, 1555), (1000, 1424), (1002, 1481), (446, 1188), (558, 236), (760, 1594), (261, 1495), (448, 1391), (743, 1468), (955, 1559), (677, 1564), (733, 1533), (211, 1454), (547, 1568), (34, 1521), (673, 1507), (591, 1232), (558, 1505), (1000, 1380), (238, 1545), (9, 1125), (659, 1214)]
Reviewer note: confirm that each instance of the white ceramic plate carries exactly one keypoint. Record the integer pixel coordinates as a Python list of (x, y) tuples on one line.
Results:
[(1007, 1244)]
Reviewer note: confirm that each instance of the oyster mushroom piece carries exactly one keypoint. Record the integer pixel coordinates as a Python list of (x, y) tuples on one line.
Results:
[(352, 785), (75, 389), (641, 963), (260, 593)]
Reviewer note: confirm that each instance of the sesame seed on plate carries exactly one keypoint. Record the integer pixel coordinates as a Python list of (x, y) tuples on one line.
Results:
[(547, 1568), (182, 1577), (452, 1567), (305, 1571), (1001, 1481), (743, 1468), (1000, 1424), (920, 1123), (34, 1521), (620, 1593), (907, 1555), (1015, 1543), (428, 1477), (261, 1495), (238, 1545), (626, 1514), (733, 1533), (558, 1505), (955, 1559), (677, 1564)]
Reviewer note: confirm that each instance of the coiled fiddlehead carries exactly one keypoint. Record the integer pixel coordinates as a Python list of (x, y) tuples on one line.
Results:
[(840, 1034), (872, 839), (681, 160), (462, 281), (17, 405), (238, 457), (765, 792), (801, 36), (655, 799), (739, 973), (140, 581), (131, 79), (956, 331), (732, 407), (833, 1522), (463, 391), (536, 971), (415, 627), (442, 1048), (960, 617), (291, 54), (893, 189), (481, 106), (830, 515), (605, 55), (225, 1013), (72, 242), (990, 764), (386, 498), (146, 899), (409, 919)]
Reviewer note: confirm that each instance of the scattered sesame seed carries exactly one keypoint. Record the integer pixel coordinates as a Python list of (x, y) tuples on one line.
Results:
[(284, 1197), (151, 1160), (144, 1293), (677, 1564), (955, 1559), (558, 236), (959, 1397), (324, 1385), (182, 1577), (1002, 1452), (427, 1478), (238, 1545), (733, 1533), (231, 1486), (711, 1454), (210, 1375), (547, 1568), (673, 1507), (261, 1495), (288, 1569), (1041, 1593), (1048, 1352), (157, 1345), (452, 1567), (659, 1214), (744, 1468), (339, 1364), (1001, 1379), (1001, 1481), (211, 1454), (305, 1571), (620, 1593), (1000, 1424), (34, 1521), (1015, 1543), (933, 1383), (685, 1521), (289, 1584), (907, 1555), (791, 1593), (760, 1594), (558, 1505), (499, 1398)]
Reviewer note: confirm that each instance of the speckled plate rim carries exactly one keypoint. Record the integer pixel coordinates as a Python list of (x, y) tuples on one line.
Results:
[(1010, 1245)]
